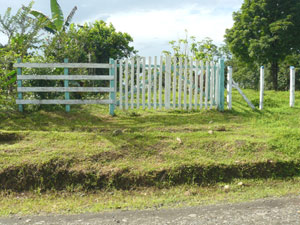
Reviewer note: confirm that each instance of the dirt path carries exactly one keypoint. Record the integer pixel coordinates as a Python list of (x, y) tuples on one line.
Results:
[(268, 211)]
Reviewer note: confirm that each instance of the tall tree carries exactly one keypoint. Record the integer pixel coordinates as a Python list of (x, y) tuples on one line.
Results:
[(265, 32)]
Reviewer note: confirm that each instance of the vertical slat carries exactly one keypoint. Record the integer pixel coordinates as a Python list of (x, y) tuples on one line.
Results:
[(196, 84), (66, 84), (201, 83), (170, 81), (132, 83), (185, 83), (155, 83), (138, 67), (212, 75), (149, 82), (174, 82), (126, 84), (20, 94), (121, 83), (215, 83), (116, 80), (160, 82), (262, 84), (191, 84), (168, 86), (166, 83), (180, 83), (112, 95), (221, 85), (218, 86), (206, 83), (144, 82), (229, 88), (292, 86)]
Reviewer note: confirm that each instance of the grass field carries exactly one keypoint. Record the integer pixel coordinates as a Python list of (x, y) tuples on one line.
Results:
[(46, 154)]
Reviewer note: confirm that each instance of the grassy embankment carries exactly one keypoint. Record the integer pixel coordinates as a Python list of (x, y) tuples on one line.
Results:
[(142, 159)]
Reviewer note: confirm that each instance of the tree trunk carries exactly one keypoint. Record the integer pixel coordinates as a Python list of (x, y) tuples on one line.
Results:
[(274, 74)]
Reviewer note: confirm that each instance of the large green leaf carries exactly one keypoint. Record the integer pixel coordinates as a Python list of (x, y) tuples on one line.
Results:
[(45, 20), (57, 15)]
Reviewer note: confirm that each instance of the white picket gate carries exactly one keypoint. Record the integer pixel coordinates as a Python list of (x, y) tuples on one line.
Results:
[(173, 83)]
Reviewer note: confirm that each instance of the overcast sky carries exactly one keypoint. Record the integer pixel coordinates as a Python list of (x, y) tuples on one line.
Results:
[(152, 24)]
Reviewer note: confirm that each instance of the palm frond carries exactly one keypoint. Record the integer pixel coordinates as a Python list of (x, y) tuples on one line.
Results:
[(70, 16)]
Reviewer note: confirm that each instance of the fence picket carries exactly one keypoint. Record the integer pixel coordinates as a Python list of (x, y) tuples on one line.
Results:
[(144, 82), (168, 77), (174, 82), (180, 83), (218, 86), (229, 88), (149, 83), (138, 67), (132, 83), (196, 85), (191, 85), (126, 84), (160, 82), (206, 84), (201, 83), (121, 83), (155, 83), (185, 84), (212, 74)]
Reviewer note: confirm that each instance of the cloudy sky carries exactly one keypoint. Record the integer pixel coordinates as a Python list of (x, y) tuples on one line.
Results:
[(152, 24)]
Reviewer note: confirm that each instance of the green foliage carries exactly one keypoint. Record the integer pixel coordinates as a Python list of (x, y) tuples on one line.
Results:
[(57, 23), (21, 30), (204, 50), (96, 42), (265, 32)]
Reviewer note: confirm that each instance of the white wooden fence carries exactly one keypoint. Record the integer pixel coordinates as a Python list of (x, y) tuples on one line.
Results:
[(170, 83)]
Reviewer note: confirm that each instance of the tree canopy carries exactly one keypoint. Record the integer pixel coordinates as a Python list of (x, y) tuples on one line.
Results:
[(265, 32)]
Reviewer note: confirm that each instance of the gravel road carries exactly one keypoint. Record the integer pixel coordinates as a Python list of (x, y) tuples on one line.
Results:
[(266, 211)]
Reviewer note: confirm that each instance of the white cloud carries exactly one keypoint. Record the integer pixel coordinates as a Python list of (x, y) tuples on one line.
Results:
[(161, 26)]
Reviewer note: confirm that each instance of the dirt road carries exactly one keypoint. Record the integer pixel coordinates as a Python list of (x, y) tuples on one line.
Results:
[(266, 211)]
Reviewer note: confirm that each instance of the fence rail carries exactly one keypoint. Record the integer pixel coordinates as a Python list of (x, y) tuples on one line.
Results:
[(66, 89), (64, 77), (63, 65)]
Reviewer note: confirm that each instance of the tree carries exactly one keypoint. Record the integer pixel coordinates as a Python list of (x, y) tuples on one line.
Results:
[(204, 50), (21, 30), (96, 42), (265, 32), (57, 23)]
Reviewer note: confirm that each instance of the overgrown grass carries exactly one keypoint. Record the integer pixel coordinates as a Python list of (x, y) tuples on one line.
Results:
[(88, 150)]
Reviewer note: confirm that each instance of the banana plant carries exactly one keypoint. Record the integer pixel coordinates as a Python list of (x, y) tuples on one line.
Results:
[(57, 23)]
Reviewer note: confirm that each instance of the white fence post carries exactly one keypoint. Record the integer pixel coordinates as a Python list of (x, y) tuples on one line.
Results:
[(262, 81), (229, 88), (292, 86)]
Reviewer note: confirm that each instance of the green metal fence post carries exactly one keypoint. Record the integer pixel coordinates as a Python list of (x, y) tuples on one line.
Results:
[(112, 95), (20, 95), (222, 85), (66, 84)]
